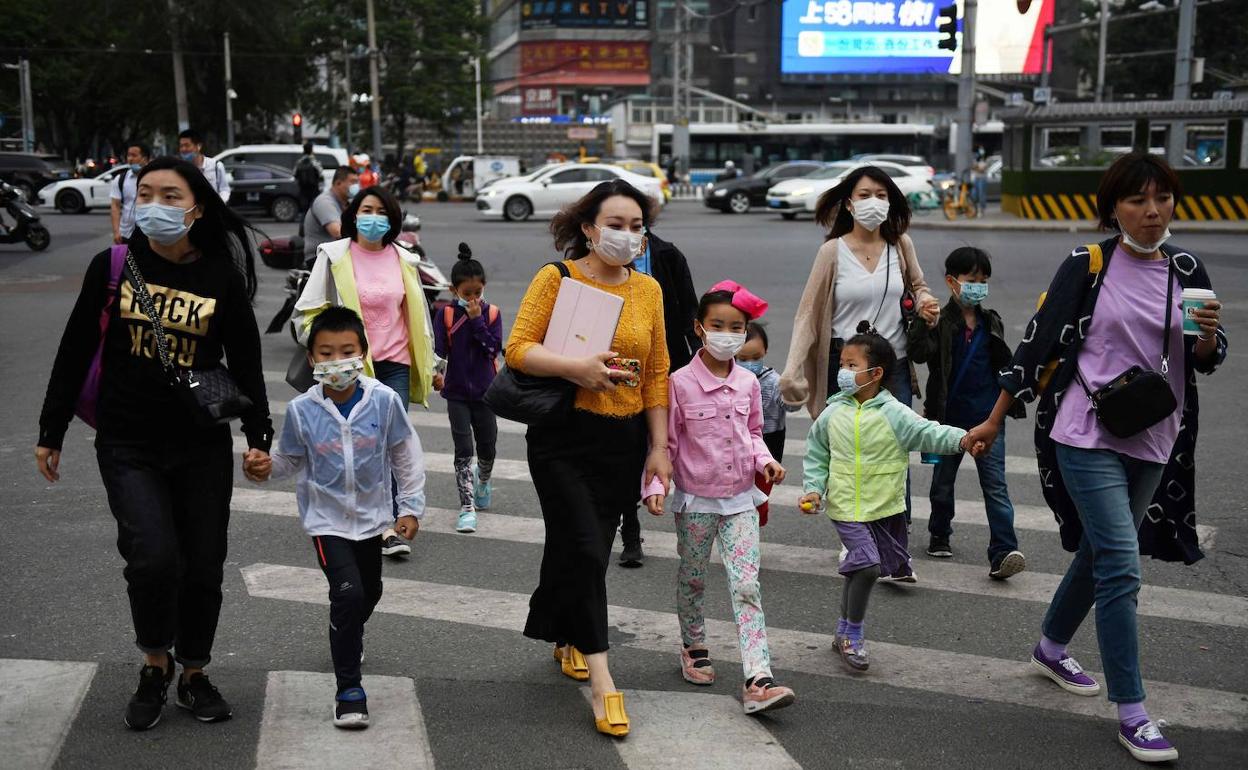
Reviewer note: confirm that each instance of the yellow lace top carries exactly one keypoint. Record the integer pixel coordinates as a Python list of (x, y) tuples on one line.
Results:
[(640, 335)]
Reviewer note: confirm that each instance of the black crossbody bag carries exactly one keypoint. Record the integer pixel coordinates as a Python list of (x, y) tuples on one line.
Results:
[(211, 395), (1138, 398)]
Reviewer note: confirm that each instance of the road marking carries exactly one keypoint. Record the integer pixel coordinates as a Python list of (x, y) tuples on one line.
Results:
[(1154, 601), (39, 701), (695, 731), (915, 668), (297, 731)]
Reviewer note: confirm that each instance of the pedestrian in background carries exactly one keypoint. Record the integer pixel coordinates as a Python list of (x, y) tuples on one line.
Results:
[(368, 272), (468, 335), (191, 150), (323, 222), (963, 353), (309, 174), (346, 522), (1100, 483), (124, 190), (856, 461), (866, 269), (709, 502), (774, 409), (585, 468), (664, 262), (168, 470)]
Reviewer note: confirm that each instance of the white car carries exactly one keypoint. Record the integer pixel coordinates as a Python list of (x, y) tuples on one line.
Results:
[(790, 196), (285, 156), (544, 193), (78, 196)]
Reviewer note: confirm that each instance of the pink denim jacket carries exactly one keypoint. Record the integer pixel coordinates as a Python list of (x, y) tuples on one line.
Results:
[(714, 432)]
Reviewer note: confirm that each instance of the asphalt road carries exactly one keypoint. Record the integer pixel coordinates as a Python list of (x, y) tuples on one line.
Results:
[(454, 684)]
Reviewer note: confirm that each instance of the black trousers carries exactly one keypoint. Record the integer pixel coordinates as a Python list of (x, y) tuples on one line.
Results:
[(353, 570), (172, 506), (586, 471)]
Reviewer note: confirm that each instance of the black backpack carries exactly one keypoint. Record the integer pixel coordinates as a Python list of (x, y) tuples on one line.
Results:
[(306, 173)]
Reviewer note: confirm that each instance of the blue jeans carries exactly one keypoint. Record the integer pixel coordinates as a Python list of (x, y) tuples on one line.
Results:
[(903, 390), (397, 377), (997, 505), (1111, 491)]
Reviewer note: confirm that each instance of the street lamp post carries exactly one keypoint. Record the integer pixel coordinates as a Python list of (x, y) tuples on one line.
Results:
[(476, 72), (229, 96), (373, 82), (346, 63)]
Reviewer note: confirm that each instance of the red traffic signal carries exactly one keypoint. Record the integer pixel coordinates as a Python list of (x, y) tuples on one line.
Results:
[(296, 120)]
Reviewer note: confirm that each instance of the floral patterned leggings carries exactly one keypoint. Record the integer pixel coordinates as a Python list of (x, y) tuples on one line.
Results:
[(738, 546)]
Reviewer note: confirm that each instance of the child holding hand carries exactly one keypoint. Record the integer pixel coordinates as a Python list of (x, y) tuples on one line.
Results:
[(857, 455), (715, 441)]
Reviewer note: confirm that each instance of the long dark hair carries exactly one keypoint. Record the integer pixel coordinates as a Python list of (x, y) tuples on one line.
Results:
[(566, 226), (219, 233), (832, 213)]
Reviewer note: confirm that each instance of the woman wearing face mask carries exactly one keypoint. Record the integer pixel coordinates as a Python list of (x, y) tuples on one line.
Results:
[(168, 478), (586, 469), (367, 271), (1100, 483), (865, 269)]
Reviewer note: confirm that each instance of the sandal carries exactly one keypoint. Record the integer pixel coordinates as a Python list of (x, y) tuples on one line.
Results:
[(572, 663), (615, 723)]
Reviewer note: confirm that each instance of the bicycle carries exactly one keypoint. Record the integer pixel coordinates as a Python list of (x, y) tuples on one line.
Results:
[(924, 201), (960, 200)]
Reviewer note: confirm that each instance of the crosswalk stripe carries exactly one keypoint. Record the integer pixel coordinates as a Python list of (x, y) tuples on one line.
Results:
[(694, 731), (297, 732), (38, 702), (948, 673), (1154, 601)]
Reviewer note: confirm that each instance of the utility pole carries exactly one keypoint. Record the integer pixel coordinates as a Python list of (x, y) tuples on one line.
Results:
[(680, 116), (346, 64), (1182, 78), (28, 109), (373, 82), (476, 73), (179, 75), (966, 89), (1100, 51), (229, 96)]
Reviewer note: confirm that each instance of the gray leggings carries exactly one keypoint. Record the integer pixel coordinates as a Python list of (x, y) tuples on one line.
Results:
[(857, 592), (472, 420)]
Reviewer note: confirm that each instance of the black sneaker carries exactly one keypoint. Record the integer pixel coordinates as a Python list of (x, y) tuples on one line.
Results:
[(199, 697), (939, 548), (143, 710), (1008, 565), (351, 709), (394, 547), (632, 555)]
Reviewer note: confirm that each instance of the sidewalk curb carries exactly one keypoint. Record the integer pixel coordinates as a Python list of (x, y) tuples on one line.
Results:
[(1065, 226)]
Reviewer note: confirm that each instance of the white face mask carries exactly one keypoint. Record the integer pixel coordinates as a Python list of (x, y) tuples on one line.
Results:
[(724, 346), (1144, 248), (869, 212), (338, 375), (618, 247)]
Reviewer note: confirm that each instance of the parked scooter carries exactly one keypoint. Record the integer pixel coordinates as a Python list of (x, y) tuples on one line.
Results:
[(27, 226)]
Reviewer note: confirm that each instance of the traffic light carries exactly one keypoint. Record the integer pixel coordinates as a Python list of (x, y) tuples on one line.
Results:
[(948, 28), (296, 122)]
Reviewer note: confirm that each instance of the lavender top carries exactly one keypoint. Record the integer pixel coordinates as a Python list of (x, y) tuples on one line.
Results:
[(1126, 331)]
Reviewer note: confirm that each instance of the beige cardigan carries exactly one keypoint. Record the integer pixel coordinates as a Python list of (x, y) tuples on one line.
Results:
[(805, 377)]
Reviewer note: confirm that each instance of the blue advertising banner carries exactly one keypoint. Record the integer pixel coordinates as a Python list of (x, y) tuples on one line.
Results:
[(862, 36)]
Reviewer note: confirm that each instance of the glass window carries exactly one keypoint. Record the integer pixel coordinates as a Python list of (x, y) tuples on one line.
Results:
[(1205, 145), (244, 172), (638, 168), (1117, 138), (327, 161), (597, 175), (571, 176), (283, 159)]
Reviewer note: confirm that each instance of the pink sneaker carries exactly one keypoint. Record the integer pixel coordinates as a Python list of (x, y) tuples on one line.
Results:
[(695, 665), (764, 694)]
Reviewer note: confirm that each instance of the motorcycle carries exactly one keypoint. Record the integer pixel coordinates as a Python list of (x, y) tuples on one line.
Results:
[(27, 226), (432, 279)]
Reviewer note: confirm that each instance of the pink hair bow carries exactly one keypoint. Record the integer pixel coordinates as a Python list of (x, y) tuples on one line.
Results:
[(743, 299)]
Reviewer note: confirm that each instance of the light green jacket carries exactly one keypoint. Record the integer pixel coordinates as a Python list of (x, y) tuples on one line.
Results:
[(332, 282), (857, 455)]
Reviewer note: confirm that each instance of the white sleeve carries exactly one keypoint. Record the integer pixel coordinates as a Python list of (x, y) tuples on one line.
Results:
[(408, 463), (290, 452), (221, 180), (285, 466), (114, 187)]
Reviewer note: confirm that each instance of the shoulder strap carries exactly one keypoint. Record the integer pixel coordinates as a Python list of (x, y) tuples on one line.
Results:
[(121, 180), (976, 338), (1096, 258), (149, 309), (493, 315), (448, 317), (561, 267)]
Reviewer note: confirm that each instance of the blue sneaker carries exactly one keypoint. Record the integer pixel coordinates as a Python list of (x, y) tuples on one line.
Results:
[(481, 493), (467, 522)]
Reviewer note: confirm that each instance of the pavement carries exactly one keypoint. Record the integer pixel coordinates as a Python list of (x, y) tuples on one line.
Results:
[(454, 684)]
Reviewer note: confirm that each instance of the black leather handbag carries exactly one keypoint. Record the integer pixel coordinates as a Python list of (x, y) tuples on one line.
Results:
[(527, 398), (1138, 398), (211, 395)]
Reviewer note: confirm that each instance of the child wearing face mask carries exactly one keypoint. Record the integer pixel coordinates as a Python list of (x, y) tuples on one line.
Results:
[(346, 522), (715, 441), (468, 335), (774, 409), (856, 461), (963, 353)]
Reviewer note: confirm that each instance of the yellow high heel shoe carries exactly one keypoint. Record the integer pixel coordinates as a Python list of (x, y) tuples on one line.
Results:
[(572, 663), (615, 723)]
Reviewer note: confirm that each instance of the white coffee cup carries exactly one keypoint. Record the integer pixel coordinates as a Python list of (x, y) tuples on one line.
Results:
[(1194, 299)]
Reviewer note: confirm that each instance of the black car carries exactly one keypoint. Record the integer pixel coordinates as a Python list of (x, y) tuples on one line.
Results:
[(29, 172), (259, 188), (735, 196)]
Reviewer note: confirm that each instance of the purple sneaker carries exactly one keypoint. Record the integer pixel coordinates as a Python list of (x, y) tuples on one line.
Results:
[(1066, 671), (1146, 743)]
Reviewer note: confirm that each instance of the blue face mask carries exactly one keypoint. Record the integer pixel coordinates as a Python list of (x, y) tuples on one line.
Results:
[(372, 227), (353, 190), (846, 381), (754, 367), (973, 293), (189, 157), (136, 166), (164, 224)]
